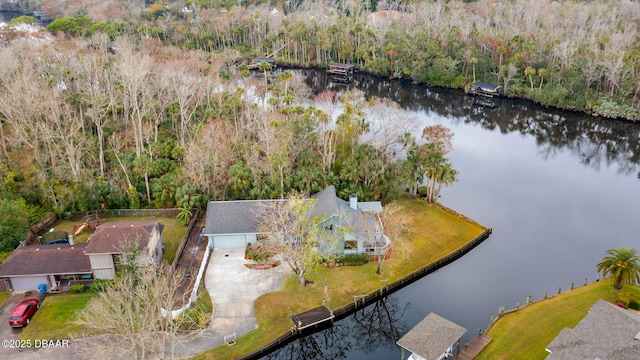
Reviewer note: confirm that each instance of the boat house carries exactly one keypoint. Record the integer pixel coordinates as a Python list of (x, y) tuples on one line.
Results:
[(255, 63), (433, 338), (483, 89), (340, 72)]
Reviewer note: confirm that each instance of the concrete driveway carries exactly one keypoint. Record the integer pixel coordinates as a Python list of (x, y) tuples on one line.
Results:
[(7, 332), (234, 290)]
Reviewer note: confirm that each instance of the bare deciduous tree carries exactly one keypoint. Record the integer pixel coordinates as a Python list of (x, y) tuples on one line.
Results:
[(291, 230), (132, 317)]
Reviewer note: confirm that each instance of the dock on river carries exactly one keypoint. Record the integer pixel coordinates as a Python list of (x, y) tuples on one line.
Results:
[(311, 317), (476, 345)]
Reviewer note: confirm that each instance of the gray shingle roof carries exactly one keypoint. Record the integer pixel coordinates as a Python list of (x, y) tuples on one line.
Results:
[(432, 336), (328, 204), (54, 259), (233, 217), (606, 332), (239, 217)]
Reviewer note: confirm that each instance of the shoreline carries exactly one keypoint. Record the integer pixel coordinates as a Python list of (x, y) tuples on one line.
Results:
[(344, 311), (320, 67)]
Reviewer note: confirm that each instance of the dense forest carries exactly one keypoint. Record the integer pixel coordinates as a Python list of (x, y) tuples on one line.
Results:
[(581, 55), (131, 104)]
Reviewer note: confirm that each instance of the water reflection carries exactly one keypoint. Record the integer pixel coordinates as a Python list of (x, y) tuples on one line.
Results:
[(593, 141), (380, 325), (370, 329)]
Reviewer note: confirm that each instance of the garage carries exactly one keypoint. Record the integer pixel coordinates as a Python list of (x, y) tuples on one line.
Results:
[(28, 282), (229, 241)]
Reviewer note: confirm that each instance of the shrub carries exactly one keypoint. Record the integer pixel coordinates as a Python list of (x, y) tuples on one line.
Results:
[(625, 298), (101, 285), (634, 305), (354, 259), (258, 254), (193, 318), (77, 288)]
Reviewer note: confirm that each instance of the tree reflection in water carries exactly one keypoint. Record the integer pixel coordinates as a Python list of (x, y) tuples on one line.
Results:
[(377, 325), (595, 142)]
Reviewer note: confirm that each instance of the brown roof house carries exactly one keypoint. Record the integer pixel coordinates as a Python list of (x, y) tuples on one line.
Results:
[(607, 332), (55, 266), (108, 243)]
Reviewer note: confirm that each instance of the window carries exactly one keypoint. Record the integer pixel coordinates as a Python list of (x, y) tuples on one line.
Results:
[(350, 245)]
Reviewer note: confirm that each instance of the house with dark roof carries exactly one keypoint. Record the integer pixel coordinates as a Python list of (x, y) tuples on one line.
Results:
[(607, 332), (235, 223), (54, 265), (432, 338), (59, 265), (108, 243)]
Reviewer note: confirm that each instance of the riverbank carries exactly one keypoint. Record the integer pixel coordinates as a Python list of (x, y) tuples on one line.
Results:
[(531, 328), (438, 237)]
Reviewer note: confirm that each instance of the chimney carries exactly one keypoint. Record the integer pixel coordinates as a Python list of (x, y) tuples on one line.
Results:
[(353, 201)]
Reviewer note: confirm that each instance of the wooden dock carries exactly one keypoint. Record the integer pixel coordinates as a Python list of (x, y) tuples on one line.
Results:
[(476, 345), (311, 317)]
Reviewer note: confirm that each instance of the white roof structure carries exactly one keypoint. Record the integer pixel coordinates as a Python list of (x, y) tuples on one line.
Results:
[(431, 337)]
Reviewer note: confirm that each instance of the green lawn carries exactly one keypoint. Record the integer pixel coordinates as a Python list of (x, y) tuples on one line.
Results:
[(54, 319), (524, 334), (4, 295), (435, 233), (172, 234)]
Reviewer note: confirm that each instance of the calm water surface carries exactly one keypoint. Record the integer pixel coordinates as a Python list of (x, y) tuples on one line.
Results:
[(557, 188)]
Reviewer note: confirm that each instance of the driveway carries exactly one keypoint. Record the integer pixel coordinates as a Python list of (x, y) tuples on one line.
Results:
[(234, 290), (9, 333)]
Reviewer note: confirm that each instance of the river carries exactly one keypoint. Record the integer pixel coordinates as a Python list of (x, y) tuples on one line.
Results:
[(558, 189)]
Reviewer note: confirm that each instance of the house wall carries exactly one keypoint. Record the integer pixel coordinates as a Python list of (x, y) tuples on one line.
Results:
[(351, 237), (102, 265), (155, 246), (230, 240)]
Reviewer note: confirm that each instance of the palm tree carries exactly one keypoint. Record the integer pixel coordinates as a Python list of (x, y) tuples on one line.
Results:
[(622, 265)]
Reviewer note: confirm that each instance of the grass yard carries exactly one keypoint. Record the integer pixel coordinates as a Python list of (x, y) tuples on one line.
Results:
[(4, 295), (54, 319), (172, 234), (524, 334), (436, 232)]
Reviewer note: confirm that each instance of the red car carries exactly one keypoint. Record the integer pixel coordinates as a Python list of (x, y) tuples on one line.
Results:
[(22, 314)]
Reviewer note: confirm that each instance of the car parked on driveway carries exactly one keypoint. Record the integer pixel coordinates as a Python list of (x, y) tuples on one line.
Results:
[(23, 312)]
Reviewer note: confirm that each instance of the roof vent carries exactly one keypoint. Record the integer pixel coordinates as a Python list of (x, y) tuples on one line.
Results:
[(637, 336)]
